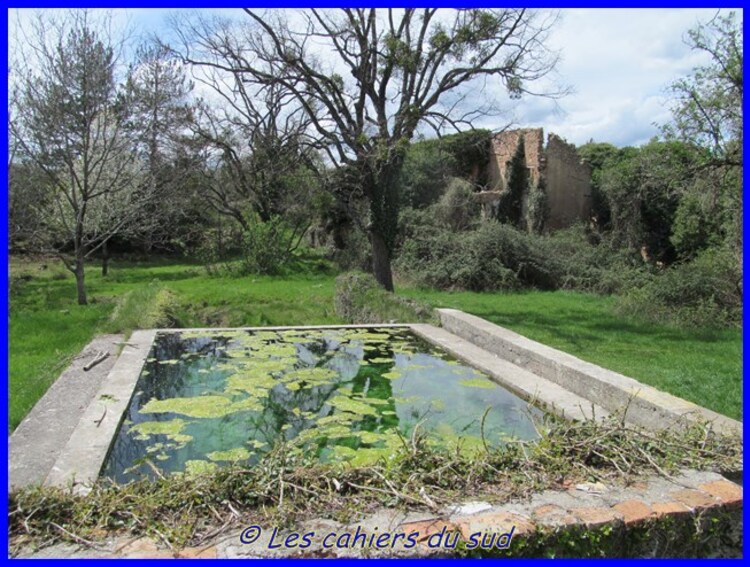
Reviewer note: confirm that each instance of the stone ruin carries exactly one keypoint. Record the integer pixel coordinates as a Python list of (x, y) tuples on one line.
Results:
[(567, 178)]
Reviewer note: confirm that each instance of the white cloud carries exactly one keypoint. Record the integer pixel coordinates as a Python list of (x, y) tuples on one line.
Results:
[(620, 63)]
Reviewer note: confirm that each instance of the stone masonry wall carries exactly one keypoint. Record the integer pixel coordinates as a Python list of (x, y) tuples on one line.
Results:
[(568, 180), (568, 184), (504, 148)]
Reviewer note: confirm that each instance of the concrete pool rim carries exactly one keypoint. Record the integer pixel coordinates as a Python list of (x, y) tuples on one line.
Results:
[(82, 459)]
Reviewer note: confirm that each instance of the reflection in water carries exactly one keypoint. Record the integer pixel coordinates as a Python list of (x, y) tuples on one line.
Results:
[(344, 394)]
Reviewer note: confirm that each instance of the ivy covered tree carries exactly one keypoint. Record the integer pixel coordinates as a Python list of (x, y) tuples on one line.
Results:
[(596, 155), (643, 187), (368, 79), (707, 114)]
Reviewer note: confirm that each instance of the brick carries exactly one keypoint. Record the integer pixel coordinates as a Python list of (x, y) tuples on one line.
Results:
[(499, 522), (552, 515), (426, 528), (669, 509), (546, 510), (143, 548), (594, 516), (633, 511), (726, 491), (694, 499), (197, 553)]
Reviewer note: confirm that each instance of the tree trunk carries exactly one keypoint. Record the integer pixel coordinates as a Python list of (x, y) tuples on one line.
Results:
[(381, 261), (105, 259), (80, 284)]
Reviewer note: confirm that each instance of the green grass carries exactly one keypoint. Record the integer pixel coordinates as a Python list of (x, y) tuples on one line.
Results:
[(702, 366), (47, 327)]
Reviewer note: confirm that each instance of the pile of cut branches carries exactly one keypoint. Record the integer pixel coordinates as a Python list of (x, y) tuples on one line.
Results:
[(286, 487)]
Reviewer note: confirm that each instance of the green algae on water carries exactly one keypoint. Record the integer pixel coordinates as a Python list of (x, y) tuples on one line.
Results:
[(231, 455), (206, 399)]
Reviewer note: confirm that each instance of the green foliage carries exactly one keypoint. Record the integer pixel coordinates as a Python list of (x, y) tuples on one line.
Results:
[(429, 165), (470, 151), (706, 292), (496, 256), (493, 257), (643, 187), (267, 247), (511, 200), (262, 248), (359, 299), (424, 175), (695, 228), (537, 210), (458, 208), (585, 261), (356, 254), (596, 155)]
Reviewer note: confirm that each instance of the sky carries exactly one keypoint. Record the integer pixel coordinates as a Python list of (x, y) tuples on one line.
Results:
[(618, 62)]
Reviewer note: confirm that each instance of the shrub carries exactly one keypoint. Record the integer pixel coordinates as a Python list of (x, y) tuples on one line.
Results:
[(267, 247), (457, 208), (423, 176), (706, 292), (430, 165), (360, 299), (493, 257), (585, 261), (263, 248)]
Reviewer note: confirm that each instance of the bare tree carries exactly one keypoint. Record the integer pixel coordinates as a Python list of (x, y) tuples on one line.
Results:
[(368, 79), (262, 159), (68, 125)]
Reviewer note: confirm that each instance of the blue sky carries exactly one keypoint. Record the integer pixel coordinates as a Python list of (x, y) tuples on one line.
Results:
[(618, 61)]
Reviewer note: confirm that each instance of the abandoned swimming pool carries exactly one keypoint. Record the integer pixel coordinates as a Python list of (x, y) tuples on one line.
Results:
[(556, 382), (209, 398)]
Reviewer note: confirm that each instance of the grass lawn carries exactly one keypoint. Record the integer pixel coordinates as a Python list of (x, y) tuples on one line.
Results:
[(47, 327), (704, 367)]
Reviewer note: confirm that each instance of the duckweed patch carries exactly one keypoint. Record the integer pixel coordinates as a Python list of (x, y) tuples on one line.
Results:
[(354, 396)]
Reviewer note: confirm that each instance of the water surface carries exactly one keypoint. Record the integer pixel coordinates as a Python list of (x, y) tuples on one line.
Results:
[(209, 398)]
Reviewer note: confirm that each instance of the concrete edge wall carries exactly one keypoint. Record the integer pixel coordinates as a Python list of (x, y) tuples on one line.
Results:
[(82, 458), (646, 406), (35, 445)]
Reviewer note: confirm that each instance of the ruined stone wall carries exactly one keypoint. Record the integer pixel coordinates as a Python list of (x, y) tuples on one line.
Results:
[(504, 148), (568, 184), (567, 179)]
